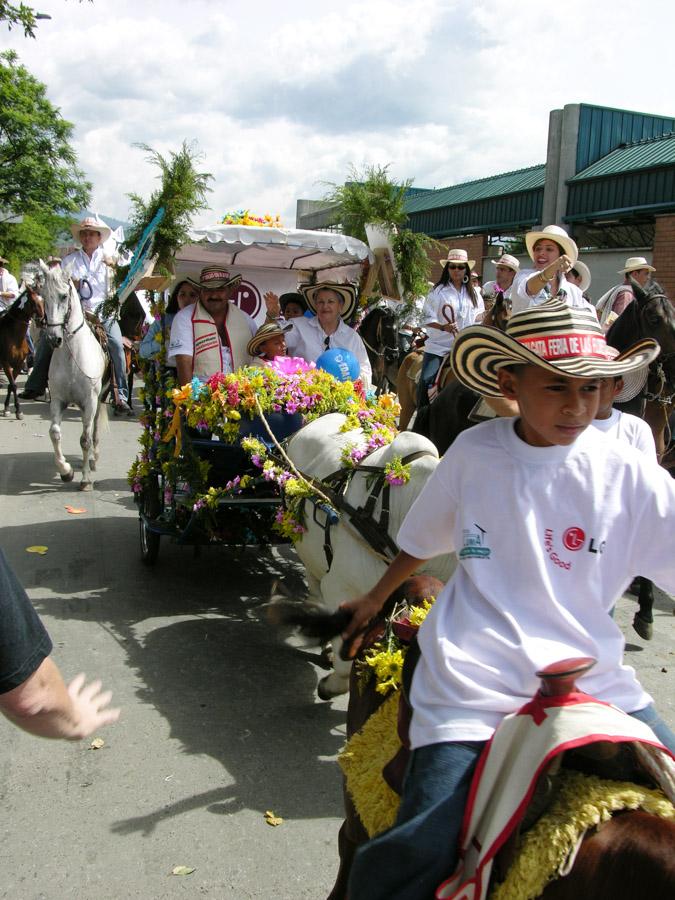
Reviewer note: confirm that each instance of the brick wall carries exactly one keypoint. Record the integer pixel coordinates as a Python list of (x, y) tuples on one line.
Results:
[(663, 258), (475, 246)]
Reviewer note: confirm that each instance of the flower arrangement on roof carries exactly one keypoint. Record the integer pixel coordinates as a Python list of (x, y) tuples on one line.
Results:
[(246, 217)]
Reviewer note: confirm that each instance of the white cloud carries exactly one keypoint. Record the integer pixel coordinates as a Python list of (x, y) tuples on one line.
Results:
[(281, 97)]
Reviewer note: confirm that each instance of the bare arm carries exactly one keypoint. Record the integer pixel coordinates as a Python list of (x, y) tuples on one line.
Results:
[(43, 706), (184, 367), (369, 604), (539, 279)]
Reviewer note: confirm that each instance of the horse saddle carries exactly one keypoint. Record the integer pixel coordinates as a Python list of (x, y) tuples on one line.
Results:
[(97, 330)]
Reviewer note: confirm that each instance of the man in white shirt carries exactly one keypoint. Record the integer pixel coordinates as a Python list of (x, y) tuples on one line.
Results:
[(89, 269), (9, 289), (211, 335), (506, 269)]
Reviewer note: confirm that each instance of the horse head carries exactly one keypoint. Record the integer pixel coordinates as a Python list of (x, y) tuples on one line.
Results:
[(61, 303), (499, 312)]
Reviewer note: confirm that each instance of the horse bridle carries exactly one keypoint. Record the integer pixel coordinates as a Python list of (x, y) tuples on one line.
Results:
[(378, 335), (64, 322), (657, 368)]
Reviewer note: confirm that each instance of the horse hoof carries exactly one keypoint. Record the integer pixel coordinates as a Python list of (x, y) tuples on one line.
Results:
[(330, 687), (7, 414), (644, 628), (85, 485), (68, 476), (19, 416)]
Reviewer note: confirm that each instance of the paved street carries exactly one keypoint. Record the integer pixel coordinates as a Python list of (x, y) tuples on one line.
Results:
[(220, 720)]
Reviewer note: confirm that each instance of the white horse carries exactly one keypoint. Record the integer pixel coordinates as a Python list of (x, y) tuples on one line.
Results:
[(76, 370), (355, 565)]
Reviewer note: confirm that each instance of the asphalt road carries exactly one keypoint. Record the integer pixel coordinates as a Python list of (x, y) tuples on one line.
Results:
[(220, 719)]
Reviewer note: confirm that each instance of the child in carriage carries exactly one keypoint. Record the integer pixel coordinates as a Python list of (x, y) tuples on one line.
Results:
[(550, 519)]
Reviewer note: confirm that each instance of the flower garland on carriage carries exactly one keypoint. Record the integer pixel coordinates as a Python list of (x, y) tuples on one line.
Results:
[(243, 410)]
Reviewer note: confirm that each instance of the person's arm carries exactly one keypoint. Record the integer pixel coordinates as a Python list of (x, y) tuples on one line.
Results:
[(45, 707), (368, 605), (149, 346), (539, 280), (184, 368), (272, 305)]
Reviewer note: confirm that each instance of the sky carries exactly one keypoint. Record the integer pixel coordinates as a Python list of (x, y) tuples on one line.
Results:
[(282, 98)]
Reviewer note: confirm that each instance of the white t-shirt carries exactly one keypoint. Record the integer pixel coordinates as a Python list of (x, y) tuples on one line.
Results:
[(631, 429), (520, 299), (92, 269), (8, 283), (547, 539), (181, 342), (465, 313), (307, 339)]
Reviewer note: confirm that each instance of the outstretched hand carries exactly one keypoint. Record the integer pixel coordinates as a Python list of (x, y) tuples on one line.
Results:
[(272, 304), (90, 707)]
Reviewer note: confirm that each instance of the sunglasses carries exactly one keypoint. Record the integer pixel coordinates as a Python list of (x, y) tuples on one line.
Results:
[(450, 266)]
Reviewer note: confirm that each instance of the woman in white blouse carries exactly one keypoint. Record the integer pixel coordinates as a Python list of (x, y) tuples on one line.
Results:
[(452, 304), (553, 254)]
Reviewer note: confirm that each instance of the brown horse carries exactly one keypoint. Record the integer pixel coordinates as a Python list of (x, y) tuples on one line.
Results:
[(14, 346), (497, 315), (629, 856)]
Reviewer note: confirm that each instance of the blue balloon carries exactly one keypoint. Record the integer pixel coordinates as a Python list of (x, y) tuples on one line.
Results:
[(342, 364)]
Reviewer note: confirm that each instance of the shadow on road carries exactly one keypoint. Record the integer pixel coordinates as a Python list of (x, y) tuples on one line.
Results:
[(216, 671)]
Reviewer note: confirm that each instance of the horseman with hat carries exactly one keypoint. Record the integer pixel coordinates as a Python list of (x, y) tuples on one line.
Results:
[(612, 304), (89, 267), (212, 335)]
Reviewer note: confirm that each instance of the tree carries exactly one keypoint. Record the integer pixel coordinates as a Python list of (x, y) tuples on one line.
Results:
[(372, 197), (38, 166), (22, 15), (33, 238)]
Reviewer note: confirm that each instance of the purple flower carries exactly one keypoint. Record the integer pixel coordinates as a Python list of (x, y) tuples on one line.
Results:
[(255, 459)]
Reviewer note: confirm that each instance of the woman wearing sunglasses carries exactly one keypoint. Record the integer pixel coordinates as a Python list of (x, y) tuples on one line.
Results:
[(452, 304)]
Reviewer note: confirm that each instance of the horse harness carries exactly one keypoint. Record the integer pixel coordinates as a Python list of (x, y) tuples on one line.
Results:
[(379, 339), (374, 531)]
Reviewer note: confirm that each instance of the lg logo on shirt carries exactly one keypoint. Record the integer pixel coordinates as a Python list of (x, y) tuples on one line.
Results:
[(574, 538)]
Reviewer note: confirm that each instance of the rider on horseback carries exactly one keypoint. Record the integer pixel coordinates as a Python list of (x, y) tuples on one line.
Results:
[(89, 269), (544, 552)]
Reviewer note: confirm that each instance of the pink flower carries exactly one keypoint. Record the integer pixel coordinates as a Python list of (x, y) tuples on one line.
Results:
[(291, 365), (394, 479)]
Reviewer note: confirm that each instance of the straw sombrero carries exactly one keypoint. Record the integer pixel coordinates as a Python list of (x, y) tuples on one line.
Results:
[(458, 257), (506, 260), (346, 291), (585, 274), (554, 336), (264, 333), (214, 278), (91, 223), (633, 263), (556, 234)]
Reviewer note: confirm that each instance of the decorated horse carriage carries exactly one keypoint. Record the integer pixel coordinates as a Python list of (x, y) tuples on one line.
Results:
[(199, 477)]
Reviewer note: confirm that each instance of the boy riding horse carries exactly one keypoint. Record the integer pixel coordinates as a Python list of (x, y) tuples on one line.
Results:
[(544, 554)]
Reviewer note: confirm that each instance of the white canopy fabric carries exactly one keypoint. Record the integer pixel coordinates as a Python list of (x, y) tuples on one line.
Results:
[(247, 246)]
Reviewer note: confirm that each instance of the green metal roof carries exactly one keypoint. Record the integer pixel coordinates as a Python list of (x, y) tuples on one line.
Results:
[(649, 154), (528, 179)]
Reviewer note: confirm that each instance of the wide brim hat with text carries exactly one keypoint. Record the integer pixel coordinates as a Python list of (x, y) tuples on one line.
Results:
[(585, 274), (91, 223), (556, 337), (264, 333), (506, 260), (633, 263), (214, 278), (458, 257), (346, 291), (556, 234)]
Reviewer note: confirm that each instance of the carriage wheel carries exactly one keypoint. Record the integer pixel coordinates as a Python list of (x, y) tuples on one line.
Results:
[(150, 507)]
